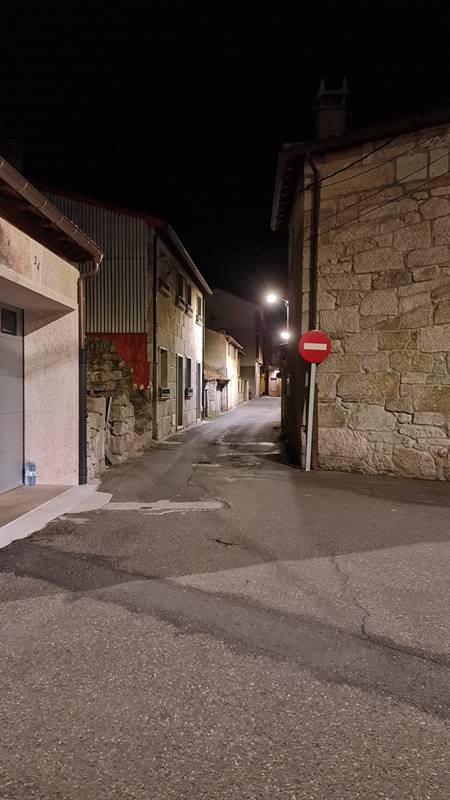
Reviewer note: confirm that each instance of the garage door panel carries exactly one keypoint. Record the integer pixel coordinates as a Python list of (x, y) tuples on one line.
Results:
[(11, 469), (11, 348), (11, 398), (11, 430), (11, 395)]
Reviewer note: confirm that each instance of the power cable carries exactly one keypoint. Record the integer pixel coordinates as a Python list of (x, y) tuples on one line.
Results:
[(334, 183), (369, 210), (375, 194), (381, 164), (358, 203), (353, 163), (245, 252), (413, 189), (375, 150)]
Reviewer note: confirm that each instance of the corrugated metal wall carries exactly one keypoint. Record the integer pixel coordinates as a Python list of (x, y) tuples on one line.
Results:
[(116, 297)]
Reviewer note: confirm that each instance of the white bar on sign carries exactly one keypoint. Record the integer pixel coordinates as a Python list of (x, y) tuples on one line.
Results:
[(314, 346)]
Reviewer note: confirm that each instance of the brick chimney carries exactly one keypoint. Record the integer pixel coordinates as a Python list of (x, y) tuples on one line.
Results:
[(331, 108)]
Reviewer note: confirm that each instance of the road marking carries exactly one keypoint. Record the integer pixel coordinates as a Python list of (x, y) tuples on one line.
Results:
[(167, 506), (203, 464)]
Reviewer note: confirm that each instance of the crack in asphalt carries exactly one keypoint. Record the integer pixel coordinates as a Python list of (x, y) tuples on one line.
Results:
[(377, 639), (333, 654), (227, 544), (347, 583)]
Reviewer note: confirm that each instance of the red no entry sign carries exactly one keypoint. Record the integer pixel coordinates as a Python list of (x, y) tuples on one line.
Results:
[(314, 346)]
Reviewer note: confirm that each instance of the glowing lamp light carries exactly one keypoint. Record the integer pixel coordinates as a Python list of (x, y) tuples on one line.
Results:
[(271, 298), (285, 335)]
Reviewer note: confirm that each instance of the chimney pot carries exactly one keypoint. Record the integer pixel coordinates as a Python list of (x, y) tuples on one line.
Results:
[(331, 108)]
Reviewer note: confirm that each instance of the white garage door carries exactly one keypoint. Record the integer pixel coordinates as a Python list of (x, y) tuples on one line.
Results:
[(11, 397)]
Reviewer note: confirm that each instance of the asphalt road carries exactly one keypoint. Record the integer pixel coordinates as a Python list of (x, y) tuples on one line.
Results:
[(230, 627)]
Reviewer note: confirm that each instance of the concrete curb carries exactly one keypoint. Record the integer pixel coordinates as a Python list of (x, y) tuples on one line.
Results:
[(75, 500)]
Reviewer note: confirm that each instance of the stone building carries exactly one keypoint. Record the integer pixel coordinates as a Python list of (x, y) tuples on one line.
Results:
[(244, 321), (145, 331), (39, 340), (369, 263), (222, 371)]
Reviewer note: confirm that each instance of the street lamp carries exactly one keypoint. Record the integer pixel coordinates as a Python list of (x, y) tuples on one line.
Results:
[(272, 298), (285, 335)]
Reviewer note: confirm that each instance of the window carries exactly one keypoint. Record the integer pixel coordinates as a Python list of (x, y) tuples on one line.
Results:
[(163, 368), (189, 295), (188, 376), (180, 286), (9, 321), (199, 306)]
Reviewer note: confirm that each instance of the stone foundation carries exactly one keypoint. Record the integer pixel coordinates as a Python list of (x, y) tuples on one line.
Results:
[(119, 422)]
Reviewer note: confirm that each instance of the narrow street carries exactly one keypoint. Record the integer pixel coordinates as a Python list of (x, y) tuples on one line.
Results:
[(230, 627)]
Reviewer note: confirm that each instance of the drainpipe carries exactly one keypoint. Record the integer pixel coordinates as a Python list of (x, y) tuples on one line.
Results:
[(154, 335), (314, 251), (82, 431), (314, 248)]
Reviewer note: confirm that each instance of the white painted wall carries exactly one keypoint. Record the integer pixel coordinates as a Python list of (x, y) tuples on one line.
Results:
[(233, 375), (45, 287)]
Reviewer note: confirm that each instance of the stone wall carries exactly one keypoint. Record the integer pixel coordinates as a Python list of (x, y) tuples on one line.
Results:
[(384, 297), (180, 333), (213, 398), (119, 423)]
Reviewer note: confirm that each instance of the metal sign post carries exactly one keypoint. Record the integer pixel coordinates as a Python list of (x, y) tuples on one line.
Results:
[(309, 429), (314, 347)]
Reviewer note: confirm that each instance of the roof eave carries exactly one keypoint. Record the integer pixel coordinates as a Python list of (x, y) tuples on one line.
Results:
[(233, 341), (27, 209), (284, 192), (155, 222), (292, 154), (171, 237)]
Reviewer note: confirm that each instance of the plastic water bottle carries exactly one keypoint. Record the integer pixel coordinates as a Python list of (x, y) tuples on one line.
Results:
[(30, 474)]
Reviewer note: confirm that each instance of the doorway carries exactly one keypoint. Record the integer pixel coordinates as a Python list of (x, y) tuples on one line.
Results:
[(180, 388)]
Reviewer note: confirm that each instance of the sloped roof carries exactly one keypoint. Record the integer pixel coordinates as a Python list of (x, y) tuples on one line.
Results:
[(27, 209), (214, 375), (162, 227)]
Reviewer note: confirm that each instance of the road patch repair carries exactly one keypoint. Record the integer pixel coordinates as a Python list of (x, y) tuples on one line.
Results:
[(167, 506)]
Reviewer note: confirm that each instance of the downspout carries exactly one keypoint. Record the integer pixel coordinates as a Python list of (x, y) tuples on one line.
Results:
[(82, 412), (314, 248), (313, 252), (154, 335)]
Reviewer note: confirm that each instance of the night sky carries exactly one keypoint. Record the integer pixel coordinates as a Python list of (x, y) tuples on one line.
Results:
[(179, 108)]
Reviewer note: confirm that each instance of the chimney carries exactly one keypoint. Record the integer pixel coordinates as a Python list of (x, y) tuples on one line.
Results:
[(331, 108)]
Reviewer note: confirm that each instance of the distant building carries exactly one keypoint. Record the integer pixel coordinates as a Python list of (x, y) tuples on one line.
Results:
[(245, 322), (41, 413), (272, 374), (145, 325), (222, 372), (369, 220)]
